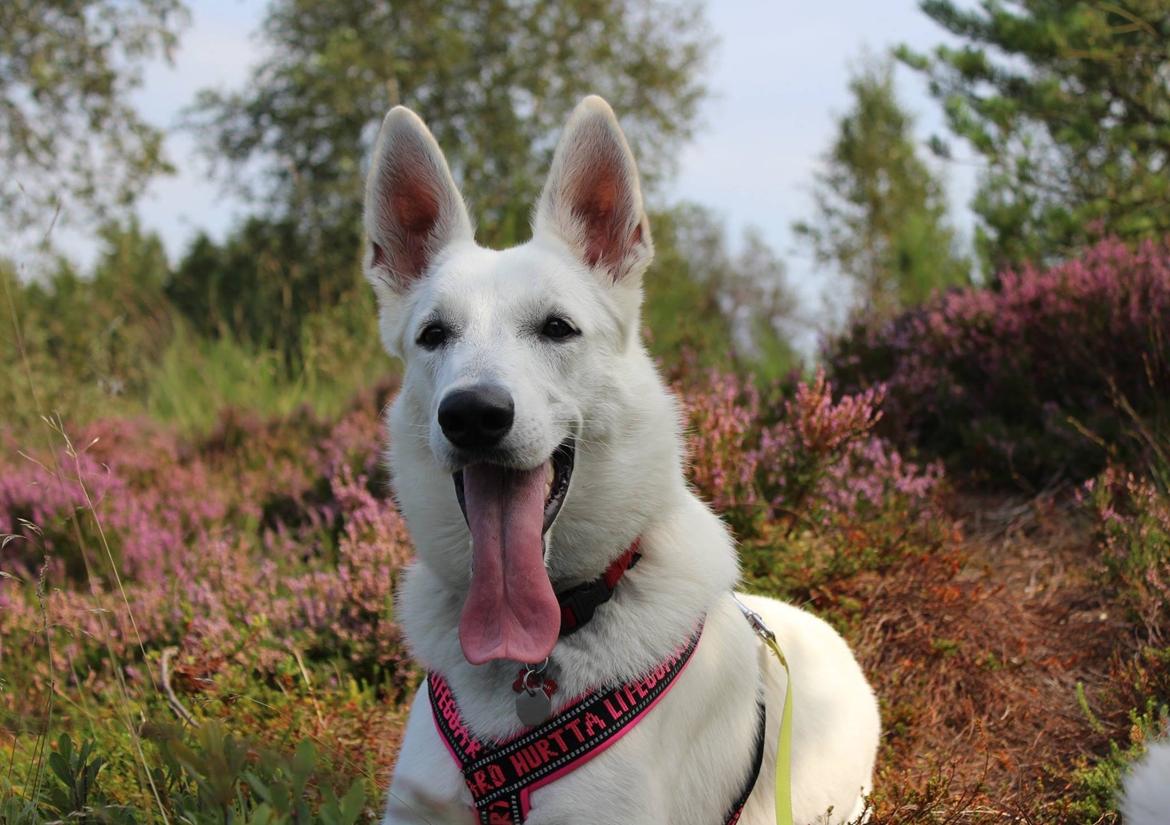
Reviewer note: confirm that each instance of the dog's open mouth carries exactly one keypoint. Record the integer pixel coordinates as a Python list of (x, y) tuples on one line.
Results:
[(511, 611), (558, 470)]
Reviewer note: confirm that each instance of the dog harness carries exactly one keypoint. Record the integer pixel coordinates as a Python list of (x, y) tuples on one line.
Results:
[(502, 777)]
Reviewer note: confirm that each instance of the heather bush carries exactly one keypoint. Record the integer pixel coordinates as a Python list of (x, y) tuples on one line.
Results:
[(136, 539), (806, 484), (265, 551), (1132, 522), (1041, 378), (1098, 784)]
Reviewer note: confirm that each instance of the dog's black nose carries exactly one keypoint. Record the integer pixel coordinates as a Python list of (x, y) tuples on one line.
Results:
[(476, 417)]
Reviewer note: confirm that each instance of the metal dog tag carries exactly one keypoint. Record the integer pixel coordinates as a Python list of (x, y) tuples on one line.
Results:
[(533, 708)]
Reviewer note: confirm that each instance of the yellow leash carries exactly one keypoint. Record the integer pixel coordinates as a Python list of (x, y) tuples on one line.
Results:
[(784, 746)]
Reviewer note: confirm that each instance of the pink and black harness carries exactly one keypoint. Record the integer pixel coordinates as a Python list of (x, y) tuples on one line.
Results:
[(502, 776)]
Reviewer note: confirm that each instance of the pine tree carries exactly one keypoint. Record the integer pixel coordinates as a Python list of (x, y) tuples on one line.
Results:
[(1068, 102), (880, 214)]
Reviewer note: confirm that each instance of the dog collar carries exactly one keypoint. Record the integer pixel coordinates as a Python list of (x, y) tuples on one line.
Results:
[(579, 603)]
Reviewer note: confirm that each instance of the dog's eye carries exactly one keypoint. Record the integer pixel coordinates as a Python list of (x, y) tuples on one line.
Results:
[(558, 329), (433, 336)]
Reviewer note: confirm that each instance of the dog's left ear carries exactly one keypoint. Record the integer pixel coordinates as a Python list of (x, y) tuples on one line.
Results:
[(592, 200)]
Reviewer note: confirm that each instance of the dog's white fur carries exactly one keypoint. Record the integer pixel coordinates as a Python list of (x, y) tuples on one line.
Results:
[(1146, 796), (687, 760)]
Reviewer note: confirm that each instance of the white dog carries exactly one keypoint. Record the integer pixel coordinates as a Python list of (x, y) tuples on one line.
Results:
[(534, 448), (1146, 796)]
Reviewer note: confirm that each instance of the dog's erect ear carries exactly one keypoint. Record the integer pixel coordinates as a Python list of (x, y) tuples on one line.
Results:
[(592, 199), (413, 209)]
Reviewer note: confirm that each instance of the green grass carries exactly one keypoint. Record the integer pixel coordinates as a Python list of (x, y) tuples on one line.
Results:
[(196, 380), (187, 380)]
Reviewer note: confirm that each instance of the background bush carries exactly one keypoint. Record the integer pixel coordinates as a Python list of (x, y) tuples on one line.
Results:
[(1042, 378)]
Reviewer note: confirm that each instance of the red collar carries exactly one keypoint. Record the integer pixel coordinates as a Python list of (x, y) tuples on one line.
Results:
[(578, 603)]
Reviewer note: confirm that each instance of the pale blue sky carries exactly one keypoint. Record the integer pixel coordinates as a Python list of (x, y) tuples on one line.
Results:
[(779, 78)]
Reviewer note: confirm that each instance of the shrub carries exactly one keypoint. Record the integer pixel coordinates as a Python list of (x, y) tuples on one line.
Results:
[(1132, 521), (808, 487), (72, 342), (1038, 379), (1098, 782), (203, 556)]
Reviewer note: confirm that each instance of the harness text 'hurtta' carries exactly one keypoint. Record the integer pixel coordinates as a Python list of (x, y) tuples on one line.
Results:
[(502, 777)]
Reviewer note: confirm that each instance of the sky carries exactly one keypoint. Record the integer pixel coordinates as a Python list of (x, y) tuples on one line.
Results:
[(779, 80)]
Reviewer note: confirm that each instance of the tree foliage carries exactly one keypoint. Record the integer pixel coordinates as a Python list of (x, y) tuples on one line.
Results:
[(70, 140), (75, 340), (1068, 102), (494, 81), (257, 288), (714, 304), (254, 286), (880, 214)]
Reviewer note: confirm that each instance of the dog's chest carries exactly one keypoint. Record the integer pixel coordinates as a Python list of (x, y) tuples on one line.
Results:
[(687, 754), (502, 777)]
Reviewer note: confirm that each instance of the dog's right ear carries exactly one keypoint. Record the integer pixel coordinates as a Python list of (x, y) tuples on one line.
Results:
[(413, 209)]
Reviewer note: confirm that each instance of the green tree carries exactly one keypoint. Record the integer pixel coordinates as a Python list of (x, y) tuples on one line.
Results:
[(73, 342), (494, 80), (1069, 105), (69, 138), (880, 214), (258, 287), (719, 306)]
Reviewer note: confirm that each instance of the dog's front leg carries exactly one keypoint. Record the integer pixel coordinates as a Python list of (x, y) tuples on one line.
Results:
[(427, 788), (605, 792), (601, 809)]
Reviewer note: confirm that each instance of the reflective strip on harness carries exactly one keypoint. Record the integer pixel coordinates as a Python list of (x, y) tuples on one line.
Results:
[(501, 778)]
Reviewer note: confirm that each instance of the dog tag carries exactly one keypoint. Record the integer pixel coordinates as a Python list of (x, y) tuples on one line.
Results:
[(533, 708)]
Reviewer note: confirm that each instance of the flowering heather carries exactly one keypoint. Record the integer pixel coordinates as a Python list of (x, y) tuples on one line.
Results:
[(129, 475), (261, 532), (266, 554), (1024, 382), (1133, 527), (803, 465), (268, 531)]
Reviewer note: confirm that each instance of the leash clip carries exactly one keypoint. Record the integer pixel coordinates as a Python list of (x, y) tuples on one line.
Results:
[(756, 621)]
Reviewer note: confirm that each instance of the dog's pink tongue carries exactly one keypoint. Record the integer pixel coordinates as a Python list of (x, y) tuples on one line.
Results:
[(511, 611)]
